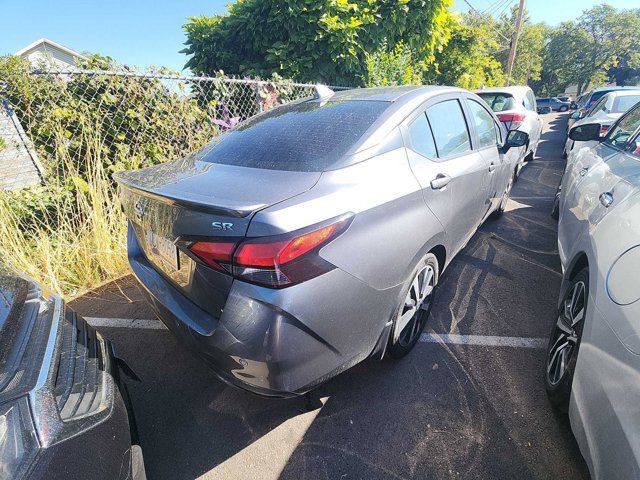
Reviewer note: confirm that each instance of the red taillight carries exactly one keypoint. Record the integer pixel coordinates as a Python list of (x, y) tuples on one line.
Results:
[(218, 255), (603, 130), (277, 261), (511, 120), (511, 117)]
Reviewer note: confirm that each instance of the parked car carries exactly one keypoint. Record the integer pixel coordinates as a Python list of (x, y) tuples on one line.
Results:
[(575, 104), (516, 108), (593, 357), (605, 111), (591, 97), (62, 410), (312, 236), (565, 98), (553, 103)]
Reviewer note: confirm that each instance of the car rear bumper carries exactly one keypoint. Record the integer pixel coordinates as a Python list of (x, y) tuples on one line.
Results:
[(274, 342)]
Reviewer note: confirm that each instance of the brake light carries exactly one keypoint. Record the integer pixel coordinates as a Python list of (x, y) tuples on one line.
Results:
[(603, 130), (513, 119), (277, 261), (218, 255)]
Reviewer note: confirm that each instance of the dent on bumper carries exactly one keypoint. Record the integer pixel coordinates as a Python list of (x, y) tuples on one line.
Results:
[(276, 342)]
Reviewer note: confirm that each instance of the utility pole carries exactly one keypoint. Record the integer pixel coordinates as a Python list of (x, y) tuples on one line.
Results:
[(514, 41)]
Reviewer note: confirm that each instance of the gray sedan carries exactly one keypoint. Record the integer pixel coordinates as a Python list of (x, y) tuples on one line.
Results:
[(593, 359), (313, 235)]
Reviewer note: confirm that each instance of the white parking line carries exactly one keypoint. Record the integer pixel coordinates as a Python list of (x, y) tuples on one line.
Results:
[(485, 340), (125, 323)]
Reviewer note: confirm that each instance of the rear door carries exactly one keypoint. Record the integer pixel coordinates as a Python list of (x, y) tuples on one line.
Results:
[(486, 138), (450, 173)]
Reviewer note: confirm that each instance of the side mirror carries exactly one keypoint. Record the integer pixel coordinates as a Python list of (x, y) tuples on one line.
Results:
[(515, 138), (577, 115), (585, 133)]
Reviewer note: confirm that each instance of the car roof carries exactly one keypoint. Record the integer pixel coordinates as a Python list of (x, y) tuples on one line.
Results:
[(403, 101), (624, 93), (611, 89), (389, 94), (509, 89)]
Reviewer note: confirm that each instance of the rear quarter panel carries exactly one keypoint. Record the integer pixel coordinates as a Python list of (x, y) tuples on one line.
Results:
[(392, 227)]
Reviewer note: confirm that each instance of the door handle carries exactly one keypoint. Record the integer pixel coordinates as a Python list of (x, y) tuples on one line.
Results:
[(440, 181), (606, 199), (492, 167), (584, 171)]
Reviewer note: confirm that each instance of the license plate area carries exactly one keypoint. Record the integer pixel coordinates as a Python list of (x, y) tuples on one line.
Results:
[(162, 248)]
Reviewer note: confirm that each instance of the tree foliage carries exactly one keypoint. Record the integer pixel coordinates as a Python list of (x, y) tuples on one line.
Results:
[(327, 41), (603, 42), (468, 60)]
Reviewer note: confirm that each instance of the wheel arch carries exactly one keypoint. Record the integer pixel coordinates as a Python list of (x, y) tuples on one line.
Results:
[(440, 252), (579, 262)]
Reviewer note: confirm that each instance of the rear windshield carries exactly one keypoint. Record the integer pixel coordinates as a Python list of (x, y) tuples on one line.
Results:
[(624, 103), (499, 102), (303, 137)]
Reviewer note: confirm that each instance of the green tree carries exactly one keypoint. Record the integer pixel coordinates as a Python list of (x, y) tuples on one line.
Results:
[(314, 41), (603, 41), (469, 59), (395, 67), (626, 68), (527, 65)]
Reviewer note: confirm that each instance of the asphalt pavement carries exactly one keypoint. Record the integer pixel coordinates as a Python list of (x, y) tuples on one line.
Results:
[(468, 402)]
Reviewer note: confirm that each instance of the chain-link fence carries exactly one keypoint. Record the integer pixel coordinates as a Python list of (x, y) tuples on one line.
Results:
[(122, 119)]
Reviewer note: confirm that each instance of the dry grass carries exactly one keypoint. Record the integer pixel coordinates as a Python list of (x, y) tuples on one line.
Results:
[(79, 242)]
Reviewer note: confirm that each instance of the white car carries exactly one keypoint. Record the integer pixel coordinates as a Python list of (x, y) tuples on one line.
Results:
[(592, 367), (516, 108), (605, 111)]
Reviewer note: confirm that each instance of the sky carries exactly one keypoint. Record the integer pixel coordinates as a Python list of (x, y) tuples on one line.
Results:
[(149, 32)]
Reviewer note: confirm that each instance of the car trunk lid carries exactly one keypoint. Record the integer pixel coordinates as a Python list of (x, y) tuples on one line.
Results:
[(174, 204)]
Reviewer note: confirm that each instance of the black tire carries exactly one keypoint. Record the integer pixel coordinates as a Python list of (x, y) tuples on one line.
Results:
[(566, 331), (407, 339), (564, 108)]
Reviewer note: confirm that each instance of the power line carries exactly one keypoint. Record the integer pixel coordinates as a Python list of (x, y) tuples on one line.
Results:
[(475, 10)]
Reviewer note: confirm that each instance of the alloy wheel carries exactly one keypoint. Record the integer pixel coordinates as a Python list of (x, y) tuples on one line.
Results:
[(566, 334), (412, 315)]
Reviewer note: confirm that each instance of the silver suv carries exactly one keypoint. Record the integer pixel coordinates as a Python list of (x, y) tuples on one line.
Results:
[(313, 235)]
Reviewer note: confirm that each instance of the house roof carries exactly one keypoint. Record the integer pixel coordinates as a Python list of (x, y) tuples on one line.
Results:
[(52, 44)]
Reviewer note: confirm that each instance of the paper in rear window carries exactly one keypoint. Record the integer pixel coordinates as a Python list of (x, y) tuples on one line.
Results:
[(305, 137)]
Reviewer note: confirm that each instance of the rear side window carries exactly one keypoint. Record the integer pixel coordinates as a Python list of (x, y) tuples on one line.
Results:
[(449, 128), (306, 137), (529, 101), (498, 102), (421, 137), (624, 103), (485, 126)]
